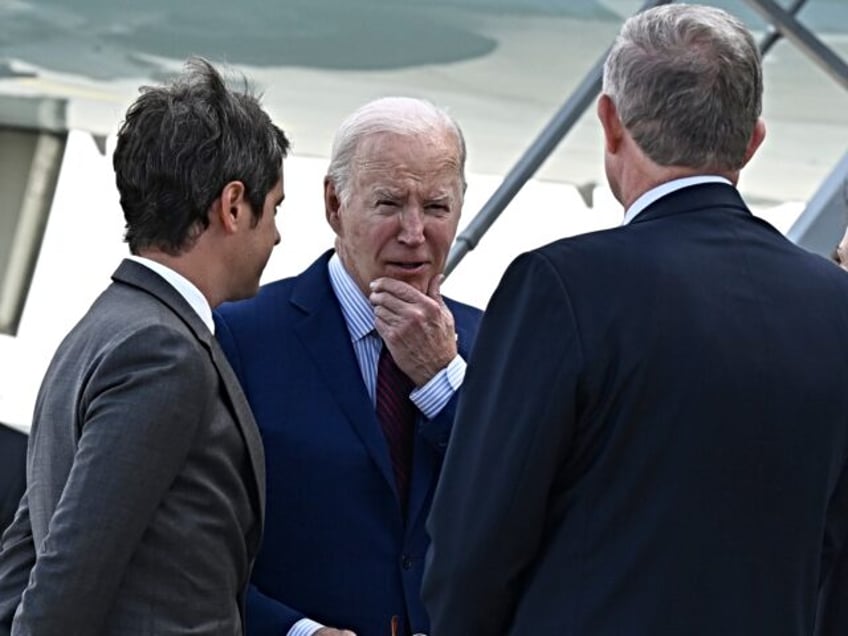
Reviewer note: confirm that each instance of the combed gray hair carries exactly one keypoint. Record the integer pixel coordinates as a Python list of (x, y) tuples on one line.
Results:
[(687, 83), (398, 115)]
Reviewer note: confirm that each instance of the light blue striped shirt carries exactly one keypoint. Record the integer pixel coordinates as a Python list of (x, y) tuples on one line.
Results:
[(359, 317)]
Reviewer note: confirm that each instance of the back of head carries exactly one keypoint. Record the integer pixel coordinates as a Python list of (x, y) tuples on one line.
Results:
[(398, 115), (179, 145), (686, 81)]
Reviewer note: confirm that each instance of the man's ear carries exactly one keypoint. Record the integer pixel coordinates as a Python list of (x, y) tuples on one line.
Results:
[(757, 138), (332, 204), (610, 122), (232, 207)]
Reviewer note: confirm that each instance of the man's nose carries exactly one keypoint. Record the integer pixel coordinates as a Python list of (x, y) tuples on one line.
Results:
[(411, 226)]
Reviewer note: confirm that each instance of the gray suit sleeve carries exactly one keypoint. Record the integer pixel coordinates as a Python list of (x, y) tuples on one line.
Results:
[(140, 412), (17, 556), (514, 421)]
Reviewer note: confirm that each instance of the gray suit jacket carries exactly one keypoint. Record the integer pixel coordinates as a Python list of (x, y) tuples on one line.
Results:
[(145, 478)]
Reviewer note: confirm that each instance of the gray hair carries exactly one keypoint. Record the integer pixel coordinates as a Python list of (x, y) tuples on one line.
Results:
[(687, 83), (398, 115)]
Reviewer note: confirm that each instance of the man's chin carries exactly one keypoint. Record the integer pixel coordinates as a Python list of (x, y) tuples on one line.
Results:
[(418, 277)]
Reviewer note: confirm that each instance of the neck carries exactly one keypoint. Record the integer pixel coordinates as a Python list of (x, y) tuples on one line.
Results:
[(635, 183), (191, 266)]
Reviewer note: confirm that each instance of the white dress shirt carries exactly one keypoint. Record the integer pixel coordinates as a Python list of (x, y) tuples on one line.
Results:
[(184, 287), (667, 188)]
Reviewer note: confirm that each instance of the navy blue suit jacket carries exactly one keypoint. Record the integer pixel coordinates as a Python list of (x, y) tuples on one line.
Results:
[(336, 546), (652, 438), (13, 447)]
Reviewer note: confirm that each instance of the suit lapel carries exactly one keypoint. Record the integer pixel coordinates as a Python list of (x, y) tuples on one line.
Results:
[(137, 275), (324, 334)]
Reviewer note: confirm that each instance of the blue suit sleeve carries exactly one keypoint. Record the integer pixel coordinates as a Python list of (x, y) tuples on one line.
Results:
[(267, 616), (438, 430)]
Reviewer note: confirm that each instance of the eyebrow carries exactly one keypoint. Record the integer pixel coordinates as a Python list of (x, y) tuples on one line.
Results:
[(383, 191)]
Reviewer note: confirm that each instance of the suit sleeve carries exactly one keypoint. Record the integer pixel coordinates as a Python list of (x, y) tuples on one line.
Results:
[(17, 556), (267, 616), (832, 613), (514, 420), (437, 430), (139, 415)]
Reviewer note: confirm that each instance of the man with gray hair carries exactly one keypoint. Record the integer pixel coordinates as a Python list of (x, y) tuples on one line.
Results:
[(653, 432), (352, 369)]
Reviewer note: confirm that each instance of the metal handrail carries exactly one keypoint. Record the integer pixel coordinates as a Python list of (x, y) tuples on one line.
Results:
[(803, 38), (782, 23), (534, 156)]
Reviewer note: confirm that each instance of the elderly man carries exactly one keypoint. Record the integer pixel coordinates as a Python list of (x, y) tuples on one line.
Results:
[(653, 432), (145, 474), (352, 369)]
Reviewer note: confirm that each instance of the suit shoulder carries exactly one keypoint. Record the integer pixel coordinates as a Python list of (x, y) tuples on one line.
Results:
[(583, 244), (462, 311), (270, 297)]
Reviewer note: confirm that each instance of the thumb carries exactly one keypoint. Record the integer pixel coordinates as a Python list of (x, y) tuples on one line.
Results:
[(434, 289)]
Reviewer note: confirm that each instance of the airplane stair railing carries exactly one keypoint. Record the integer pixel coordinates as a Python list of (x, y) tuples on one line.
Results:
[(783, 23)]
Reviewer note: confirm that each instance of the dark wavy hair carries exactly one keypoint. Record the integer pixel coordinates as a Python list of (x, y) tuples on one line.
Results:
[(177, 148)]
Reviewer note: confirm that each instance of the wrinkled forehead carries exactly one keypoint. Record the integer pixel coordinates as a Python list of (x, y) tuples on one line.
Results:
[(432, 157)]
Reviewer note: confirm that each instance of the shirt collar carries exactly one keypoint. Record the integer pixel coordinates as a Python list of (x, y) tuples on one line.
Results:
[(184, 287), (357, 311), (668, 187)]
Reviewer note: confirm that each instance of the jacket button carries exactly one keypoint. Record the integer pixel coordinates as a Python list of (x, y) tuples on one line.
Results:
[(406, 562)]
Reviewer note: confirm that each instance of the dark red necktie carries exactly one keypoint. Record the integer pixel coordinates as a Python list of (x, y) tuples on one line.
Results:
[(396, 414)]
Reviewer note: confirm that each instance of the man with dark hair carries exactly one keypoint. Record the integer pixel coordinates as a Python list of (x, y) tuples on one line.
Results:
[(146, 478), (653, 434)]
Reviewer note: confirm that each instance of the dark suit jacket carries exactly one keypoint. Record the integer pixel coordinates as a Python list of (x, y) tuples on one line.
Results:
[(652, 437), (338, 550), (145, 478), (13, 446)]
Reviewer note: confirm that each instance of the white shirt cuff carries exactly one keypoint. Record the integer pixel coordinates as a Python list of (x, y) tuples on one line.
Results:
[(304, 627), (434, 396)]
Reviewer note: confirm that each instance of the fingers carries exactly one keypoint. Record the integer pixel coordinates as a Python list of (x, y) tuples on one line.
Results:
[(397, 289), (418, 328), (399, 298)]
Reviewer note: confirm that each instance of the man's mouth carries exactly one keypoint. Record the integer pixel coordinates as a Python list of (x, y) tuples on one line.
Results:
[(408, 266)]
